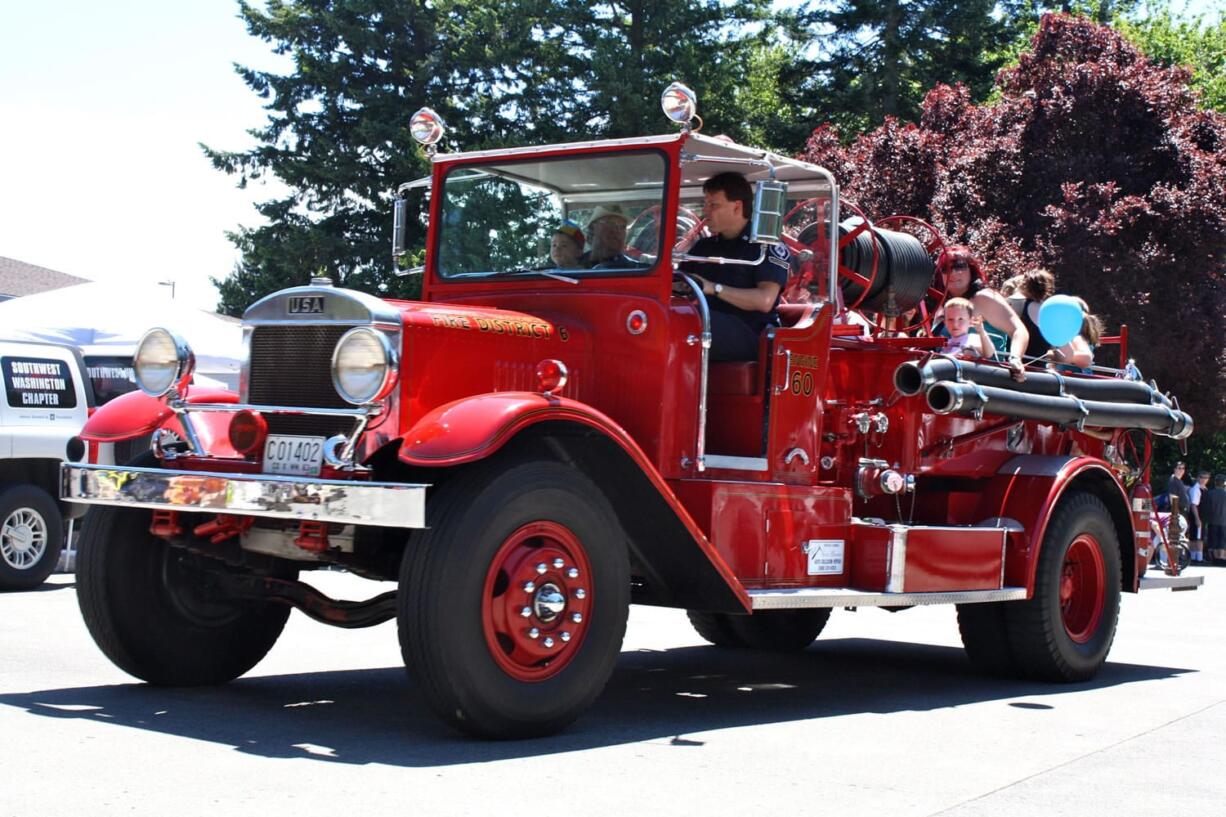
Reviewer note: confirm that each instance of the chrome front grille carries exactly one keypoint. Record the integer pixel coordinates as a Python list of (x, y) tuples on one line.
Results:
[(292, 366)]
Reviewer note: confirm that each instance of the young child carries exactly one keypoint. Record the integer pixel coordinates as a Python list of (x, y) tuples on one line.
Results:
[(566, 245), (959, 317)]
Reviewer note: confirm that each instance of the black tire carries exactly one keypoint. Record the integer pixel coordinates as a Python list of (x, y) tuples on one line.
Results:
[(986, 637), (779, 630), (1043, 645), (715, 628), (31, 536), (444, 607), (155, 612)]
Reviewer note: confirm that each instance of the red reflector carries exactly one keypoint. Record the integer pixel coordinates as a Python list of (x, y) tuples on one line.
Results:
[(550, 375), (247, 431)]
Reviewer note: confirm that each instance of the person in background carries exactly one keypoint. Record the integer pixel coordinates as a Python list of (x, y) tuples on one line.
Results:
[(958, 267), (1176, 489), (1213, 514), (1036, 286), (567, 245), (607, 230), (1196, 529)]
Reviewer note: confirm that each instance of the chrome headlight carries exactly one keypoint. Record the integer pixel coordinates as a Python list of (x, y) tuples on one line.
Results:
[(363, 365), (163, 362)]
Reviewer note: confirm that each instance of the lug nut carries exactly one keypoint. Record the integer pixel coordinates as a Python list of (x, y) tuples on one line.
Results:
[(565, 636), (558, 564), (548, 642), (542, 567), (581, 593), (534, 633), (576, 617), (526, 612), (529, 587), (573, 573)]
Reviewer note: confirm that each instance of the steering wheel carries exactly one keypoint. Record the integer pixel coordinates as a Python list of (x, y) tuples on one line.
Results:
[(643, 233)]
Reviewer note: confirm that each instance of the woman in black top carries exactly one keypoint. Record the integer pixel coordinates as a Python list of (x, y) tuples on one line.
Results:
[(1036, 287)]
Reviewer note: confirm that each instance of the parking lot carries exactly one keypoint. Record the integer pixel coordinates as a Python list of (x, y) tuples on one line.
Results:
[(882, 712)]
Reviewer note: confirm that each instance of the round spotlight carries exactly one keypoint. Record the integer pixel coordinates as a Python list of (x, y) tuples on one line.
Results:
[(679, 103), (163, 362), (426, 126), (363, 366), (247, 432)]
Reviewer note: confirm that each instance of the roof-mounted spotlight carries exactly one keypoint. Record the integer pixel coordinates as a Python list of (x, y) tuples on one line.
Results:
[(427, 128), (680, 104)]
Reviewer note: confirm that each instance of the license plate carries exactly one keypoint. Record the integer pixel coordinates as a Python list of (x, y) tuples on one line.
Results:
[(294, 456)]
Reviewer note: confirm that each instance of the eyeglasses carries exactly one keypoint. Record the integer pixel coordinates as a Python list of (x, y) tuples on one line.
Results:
[(961, 265)]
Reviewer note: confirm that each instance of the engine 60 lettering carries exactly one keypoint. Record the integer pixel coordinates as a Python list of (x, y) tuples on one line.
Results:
[(802, 383)]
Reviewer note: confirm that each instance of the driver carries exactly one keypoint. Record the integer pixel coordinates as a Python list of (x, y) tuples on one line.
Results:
[(742, 298)]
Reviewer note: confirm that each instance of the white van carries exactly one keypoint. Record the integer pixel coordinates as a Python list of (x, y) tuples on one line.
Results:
[(45, 402)]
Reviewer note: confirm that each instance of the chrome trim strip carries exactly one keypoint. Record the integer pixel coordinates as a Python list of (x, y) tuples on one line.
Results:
[(361, 411), (730, 463), (1170, 582), (386, 504), (898, 559), (802, 597)]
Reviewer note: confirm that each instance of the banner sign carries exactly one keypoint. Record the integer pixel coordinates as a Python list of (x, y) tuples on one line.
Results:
[(31, 382)]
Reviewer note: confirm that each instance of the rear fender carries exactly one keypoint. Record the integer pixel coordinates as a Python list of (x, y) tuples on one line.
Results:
[(136, 414), (1026, 491), (477, 427)]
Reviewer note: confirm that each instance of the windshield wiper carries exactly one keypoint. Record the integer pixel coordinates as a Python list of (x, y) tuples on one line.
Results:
[(566, 279)]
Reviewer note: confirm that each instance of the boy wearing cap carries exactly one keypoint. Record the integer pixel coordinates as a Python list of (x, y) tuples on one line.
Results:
[(566, 246)]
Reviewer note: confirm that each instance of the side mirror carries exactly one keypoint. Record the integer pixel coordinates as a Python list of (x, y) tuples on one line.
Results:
[(769, 202), (399, 230)]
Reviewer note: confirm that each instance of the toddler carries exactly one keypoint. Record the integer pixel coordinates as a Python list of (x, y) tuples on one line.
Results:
[(566, 245), (959, 317)]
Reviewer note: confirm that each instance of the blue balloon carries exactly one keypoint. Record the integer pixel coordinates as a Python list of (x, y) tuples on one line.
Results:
[(1060, 319)]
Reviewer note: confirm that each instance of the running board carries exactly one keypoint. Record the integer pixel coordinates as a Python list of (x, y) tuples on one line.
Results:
[(847, 597), (1170, 582)]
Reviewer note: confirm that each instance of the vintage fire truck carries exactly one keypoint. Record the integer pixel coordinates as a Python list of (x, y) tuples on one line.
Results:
[(531, 448)]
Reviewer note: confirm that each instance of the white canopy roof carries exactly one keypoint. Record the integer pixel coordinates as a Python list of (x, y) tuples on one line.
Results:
[(104, 319)]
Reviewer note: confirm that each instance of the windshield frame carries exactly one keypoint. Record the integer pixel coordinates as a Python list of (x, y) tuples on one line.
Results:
[(666, 203)]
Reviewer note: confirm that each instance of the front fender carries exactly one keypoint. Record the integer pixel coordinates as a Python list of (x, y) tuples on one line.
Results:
[(136, 414), (473, 428)]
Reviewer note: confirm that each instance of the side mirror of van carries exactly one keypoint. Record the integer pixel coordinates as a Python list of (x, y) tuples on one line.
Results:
[(769, 200)]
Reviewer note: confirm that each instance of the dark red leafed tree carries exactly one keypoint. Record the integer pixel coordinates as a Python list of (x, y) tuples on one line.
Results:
[(1094, 163)]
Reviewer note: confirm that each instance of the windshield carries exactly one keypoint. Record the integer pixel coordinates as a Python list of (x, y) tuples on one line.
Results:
[(585, 215)]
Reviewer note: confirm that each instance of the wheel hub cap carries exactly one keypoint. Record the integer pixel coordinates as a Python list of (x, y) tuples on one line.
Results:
[(23, 538), (549, 603), (1082, 591)]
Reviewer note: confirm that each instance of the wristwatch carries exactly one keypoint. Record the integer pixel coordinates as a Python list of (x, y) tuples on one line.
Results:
[(717, 289)]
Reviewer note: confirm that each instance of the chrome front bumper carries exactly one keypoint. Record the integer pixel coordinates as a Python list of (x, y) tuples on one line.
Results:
[(385, 504)]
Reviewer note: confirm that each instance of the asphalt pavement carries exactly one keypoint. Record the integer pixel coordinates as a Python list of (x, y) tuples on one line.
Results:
[(882, 713)]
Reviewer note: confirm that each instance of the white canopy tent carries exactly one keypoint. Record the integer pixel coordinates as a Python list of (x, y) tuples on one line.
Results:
[(108, 321)]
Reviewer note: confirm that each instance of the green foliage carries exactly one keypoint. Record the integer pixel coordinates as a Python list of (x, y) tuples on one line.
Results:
[(1196, 44)]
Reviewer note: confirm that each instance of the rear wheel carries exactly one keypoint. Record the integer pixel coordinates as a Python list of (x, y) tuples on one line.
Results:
[(1064, 632), (513, 601), (158, 613), (31, 536), (775, 630)]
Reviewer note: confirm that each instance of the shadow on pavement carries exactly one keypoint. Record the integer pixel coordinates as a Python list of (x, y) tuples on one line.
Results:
[(375, 716)]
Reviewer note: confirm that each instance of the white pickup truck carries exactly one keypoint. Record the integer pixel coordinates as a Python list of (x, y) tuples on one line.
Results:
[(45, 400)]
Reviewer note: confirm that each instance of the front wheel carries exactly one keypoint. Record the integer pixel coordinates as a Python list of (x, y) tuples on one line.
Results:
[(513, 602), (1064, 632), (31, 536), (157, 612)]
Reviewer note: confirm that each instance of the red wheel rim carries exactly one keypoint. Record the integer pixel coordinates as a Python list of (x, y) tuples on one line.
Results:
[(536, 599), (1083, 579)]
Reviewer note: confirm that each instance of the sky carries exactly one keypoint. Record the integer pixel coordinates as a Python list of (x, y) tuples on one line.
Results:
[(102, 107)]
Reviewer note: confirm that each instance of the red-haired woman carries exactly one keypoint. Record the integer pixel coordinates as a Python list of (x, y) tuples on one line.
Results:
[(963, 277)]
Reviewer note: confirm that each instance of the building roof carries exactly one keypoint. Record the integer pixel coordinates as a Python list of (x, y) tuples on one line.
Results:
[(18, 278)]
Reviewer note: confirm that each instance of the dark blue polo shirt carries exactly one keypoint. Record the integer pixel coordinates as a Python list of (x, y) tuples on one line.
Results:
[(774, 268)]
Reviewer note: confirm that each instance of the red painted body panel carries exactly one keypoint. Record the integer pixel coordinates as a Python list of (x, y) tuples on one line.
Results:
[(135, 414)]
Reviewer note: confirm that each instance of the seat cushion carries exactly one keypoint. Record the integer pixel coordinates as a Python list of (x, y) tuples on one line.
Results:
[(736, 377)]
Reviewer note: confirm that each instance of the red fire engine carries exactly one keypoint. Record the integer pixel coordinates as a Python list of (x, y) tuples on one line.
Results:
[(533, 446)]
